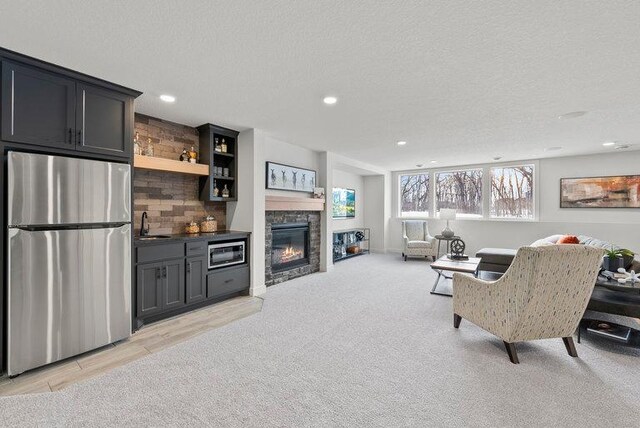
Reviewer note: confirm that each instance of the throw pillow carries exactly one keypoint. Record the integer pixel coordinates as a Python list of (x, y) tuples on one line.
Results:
[(568, 239)]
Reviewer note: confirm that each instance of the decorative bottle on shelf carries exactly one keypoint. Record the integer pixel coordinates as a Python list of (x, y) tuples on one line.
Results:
[(184, 157), (225, 192), (193, 156), (136, 145), (223, 146), (216, 191), (216, 146), (148, 151)]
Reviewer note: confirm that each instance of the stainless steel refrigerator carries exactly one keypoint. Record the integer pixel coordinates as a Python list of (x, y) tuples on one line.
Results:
[(69, 257)]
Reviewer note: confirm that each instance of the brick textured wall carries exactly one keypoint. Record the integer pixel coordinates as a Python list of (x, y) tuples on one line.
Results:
[(171, 200)]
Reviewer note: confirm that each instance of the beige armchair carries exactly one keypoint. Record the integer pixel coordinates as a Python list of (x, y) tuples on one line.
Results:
[(543, 295), (417, 241)]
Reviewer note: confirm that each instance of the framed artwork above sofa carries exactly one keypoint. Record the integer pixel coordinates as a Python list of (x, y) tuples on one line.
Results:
[(622, 191)]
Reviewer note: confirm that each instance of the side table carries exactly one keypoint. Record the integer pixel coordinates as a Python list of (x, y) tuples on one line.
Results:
[(441, 238)]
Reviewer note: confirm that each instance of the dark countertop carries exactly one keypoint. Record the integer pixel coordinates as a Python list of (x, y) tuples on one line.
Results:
[(220, 235)]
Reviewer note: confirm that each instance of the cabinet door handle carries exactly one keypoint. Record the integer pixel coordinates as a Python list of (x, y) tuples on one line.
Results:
[(228, 281), (188, 267), (158, 276), (164, 272), (70, 135), (80, 136)]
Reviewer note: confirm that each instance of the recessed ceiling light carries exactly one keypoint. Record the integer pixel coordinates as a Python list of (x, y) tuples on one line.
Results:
[(330, 100), (401, 143), (622, 146), (609, 143), (420, 165), (497, 158), (553, 149), (433, 161), (572, 115), (168, 98)]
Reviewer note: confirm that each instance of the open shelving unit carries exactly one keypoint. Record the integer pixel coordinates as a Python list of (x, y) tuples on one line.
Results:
[(208, 135), (345, 243)]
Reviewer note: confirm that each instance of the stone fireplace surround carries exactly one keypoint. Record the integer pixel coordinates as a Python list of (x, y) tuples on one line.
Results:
[(278, 217)]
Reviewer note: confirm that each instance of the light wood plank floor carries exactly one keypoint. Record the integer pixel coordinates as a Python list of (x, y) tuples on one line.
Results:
[(149, 339)]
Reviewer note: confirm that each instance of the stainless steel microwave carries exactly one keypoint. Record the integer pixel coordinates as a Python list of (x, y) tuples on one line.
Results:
[(226, 254)]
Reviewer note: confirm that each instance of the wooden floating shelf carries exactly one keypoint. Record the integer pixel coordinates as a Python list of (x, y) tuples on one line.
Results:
[(288, 203), (168, 165)]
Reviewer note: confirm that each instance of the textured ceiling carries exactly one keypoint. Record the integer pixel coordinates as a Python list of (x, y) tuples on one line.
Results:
[(460, 81)]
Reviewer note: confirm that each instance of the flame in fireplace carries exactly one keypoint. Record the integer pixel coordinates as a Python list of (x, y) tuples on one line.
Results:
[(290, 254)]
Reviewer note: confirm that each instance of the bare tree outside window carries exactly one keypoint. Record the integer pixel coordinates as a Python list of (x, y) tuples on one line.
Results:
[(414, 195), (460, 190), (512, 192)]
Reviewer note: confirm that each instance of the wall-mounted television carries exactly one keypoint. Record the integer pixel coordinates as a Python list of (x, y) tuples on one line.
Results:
[(344, 203)]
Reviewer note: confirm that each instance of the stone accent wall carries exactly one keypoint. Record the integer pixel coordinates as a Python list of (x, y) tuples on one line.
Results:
[(171, 200), (275, 217)]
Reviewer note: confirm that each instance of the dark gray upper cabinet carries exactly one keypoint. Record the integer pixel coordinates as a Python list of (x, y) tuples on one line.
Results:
[(47, 105), (38, 107), (101, 120), (208, 133), (196, 279)]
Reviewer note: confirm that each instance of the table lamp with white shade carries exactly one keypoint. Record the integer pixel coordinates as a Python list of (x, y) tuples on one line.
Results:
[(447, 214)]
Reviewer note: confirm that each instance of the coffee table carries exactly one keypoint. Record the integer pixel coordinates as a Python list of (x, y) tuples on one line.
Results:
[(445, 264)]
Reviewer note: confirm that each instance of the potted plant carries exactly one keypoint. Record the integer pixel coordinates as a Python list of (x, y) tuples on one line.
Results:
[(627, 257), (613, 260)]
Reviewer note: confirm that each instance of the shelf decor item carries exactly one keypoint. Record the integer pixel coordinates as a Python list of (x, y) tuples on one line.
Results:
[(447, 214), (192, 228), (612, 260), (148, 151), (209, 224), (286, 177), (457, 250), (318, 192), (225, 192), (600, 192)]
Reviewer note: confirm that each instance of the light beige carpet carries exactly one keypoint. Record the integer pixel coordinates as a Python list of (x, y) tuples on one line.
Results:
[(363, 345)]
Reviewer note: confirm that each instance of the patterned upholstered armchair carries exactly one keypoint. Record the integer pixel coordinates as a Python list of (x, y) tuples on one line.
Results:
[(542, 295), (417, 241)]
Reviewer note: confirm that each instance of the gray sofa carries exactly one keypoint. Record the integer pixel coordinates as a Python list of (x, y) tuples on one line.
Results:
[(499, 259)]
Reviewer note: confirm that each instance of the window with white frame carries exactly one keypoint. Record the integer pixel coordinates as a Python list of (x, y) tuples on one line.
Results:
[(459, 190), (512, 192), (414, 195)]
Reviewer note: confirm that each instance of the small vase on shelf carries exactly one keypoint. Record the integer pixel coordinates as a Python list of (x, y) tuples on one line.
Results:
[(216, 191), (148, 151), (225, 192), (216, 146), (223, 146)]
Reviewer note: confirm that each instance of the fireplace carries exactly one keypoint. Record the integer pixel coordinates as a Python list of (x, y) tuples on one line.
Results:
[(289, 246)]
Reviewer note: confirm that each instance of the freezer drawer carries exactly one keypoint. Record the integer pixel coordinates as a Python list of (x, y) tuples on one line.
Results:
[(55, 190), (69, 291)]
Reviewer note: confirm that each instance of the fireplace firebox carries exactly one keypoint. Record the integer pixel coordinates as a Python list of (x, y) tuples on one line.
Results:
[(289, 246)]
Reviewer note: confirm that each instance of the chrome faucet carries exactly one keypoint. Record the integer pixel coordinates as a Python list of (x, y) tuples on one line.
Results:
[(144, 231)]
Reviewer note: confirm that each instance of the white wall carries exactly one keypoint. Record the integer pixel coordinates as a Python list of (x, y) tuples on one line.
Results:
[(617, 225), (241, 215), (348, 180), (374, 210)]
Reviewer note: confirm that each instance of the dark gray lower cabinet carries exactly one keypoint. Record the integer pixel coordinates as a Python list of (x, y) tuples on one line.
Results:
[(173, 283), (227, 281), (149, 289), (196, 279), (160, 286)]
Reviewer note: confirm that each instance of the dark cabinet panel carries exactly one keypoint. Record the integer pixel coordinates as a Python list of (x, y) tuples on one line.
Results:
[(102, 121), (173, 283), (38, 107), (149, 289), (196, 279), (227, 281)]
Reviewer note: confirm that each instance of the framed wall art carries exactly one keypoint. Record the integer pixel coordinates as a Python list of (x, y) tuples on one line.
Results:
[(286, 177), (621, 191)]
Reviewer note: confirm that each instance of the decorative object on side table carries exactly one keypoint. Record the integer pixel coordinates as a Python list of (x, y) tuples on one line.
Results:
[(612, 260), (630, 276), (600, 192), (447, 214), (285, 177), (457, 247)]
